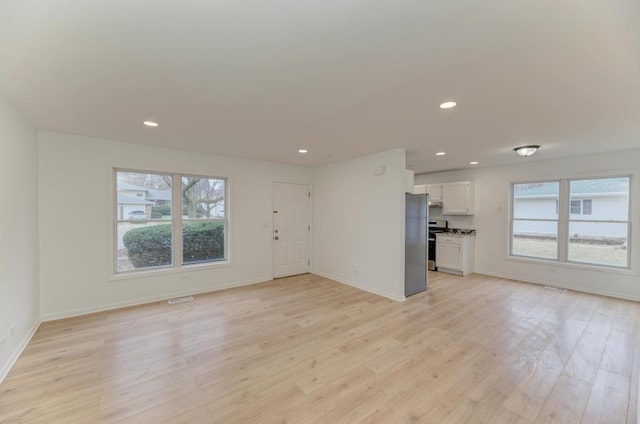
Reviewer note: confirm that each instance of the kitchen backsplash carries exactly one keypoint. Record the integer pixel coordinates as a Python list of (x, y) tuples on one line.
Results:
[(455, 221)]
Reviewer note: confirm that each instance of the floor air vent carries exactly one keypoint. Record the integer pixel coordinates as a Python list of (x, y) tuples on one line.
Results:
[(180, 300)]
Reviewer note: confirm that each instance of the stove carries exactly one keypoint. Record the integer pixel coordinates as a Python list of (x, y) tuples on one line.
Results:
[(435, 226)]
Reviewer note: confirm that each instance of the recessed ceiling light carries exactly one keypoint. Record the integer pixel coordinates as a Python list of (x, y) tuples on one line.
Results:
[(448, 105), (441, 153), (475, 162), (303, 151), (150, 123)]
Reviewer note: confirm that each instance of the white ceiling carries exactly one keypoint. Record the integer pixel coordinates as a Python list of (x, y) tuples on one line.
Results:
[(262, 78)]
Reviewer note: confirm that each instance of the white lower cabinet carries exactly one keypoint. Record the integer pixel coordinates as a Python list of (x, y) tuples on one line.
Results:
[(455, 254)]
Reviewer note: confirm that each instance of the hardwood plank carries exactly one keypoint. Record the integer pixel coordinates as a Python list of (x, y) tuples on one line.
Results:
[(609, 399), (634, 392), (328, 397), (530, 394), (565, 402), (585, 359), (198, 415), (306, 349), (619, 352)]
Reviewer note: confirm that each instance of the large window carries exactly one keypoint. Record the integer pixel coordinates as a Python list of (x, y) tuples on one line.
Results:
[(535, 220), (598, 230), (151, 216), (203, 221), (572, 220)]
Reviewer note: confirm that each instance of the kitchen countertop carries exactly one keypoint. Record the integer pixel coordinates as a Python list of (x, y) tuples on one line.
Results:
[(459, 232)]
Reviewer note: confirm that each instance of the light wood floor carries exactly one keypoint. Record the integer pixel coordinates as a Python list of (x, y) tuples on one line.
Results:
[(309, 350)]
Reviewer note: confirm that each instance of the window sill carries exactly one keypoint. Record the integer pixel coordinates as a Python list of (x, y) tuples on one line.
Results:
[(573, 265), (131, 275)]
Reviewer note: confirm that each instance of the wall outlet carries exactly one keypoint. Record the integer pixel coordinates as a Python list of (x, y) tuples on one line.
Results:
[(12, 330)]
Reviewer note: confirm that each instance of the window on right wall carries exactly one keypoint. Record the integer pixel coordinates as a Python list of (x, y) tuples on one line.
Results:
[(583, 221)]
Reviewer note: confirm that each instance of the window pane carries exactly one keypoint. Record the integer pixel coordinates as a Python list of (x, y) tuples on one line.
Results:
[(537, 239), (143, 245), (202, 241), (575, 207), (608, 198), (203, 198), (598, 243), (143, 196), (536, 200), (143, 240)]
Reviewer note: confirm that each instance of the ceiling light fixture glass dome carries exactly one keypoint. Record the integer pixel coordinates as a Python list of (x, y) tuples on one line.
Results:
[(526, 151)]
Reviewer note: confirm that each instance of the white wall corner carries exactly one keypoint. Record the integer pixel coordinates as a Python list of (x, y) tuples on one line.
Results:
[(4, 371)]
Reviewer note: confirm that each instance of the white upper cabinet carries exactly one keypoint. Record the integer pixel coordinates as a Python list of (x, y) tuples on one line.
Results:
[(420, 189), (458, 198), (435, 192)]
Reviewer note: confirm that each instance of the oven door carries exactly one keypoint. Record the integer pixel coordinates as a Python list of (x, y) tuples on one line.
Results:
[(431, 264)]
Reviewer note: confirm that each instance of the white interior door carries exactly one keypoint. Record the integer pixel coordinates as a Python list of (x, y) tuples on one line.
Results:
[(290, 229)]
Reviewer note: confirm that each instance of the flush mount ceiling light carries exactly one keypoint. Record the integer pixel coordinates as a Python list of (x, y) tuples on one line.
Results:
[(447, 105), (475, 162), (303, 151), (526, 151), (441, 153), (150, 123)]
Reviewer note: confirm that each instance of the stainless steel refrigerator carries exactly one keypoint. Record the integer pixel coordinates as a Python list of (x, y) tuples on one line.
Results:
[(416, 252)]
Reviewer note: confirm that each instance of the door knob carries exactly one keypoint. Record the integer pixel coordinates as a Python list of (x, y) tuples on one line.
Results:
[(276, 238)]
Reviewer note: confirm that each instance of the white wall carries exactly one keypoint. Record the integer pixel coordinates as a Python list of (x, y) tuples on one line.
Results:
[(19, 297), (76, 247), (491, 221), (358, 223)]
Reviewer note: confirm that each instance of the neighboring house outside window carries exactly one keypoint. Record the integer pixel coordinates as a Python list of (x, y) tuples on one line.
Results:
[(580, 206), (593, 229), (576, 207), (147, 229)]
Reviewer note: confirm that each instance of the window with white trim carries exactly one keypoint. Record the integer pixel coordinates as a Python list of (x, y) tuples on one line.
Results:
[(582, 220), (179, 220)]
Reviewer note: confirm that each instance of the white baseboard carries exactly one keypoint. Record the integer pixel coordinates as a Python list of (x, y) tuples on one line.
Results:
[(555, 284), (360, 287), (141, 301), (4, 371)]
